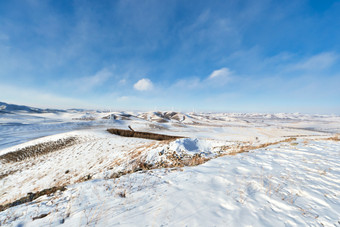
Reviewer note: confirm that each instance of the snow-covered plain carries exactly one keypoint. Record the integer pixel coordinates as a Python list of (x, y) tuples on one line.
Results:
[(289, 183)]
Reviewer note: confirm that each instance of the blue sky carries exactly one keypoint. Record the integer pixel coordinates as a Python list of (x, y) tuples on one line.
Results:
[(234, 56)]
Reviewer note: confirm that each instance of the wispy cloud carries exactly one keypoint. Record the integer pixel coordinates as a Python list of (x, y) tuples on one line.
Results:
[(317, 62), (90, 82), (43, 99), (188, 83), (122, 98), (219, 77), (143, 85)]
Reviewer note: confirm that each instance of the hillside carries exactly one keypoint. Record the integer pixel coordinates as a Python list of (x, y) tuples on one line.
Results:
[(231, 169)]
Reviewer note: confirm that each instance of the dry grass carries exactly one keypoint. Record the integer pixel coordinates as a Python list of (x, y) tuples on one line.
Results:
[(37, 150), (173, 159), (246, 148), (138, 161), (180, 161), (32, 196), (144, 135), (195, 160), (334, 138), (40, 216), (3, 175)]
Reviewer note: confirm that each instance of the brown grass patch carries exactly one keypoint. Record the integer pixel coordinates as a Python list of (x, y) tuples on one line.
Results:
[(37, 150), (138, 162), (334, 138), (40, 216), (3, 175), (32, 196), (247, 148), (144, 135)]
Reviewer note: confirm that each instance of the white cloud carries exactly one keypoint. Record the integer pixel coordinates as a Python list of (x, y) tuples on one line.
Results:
[(220, 73), (143, 85), (316, 62), (218, 78)]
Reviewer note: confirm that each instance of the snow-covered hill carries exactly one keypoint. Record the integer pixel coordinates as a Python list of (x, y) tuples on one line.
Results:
[(13, 108), (229, 169), (290, 184)]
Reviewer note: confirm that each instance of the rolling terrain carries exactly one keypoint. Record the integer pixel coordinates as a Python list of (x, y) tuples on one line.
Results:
[(62, 167)]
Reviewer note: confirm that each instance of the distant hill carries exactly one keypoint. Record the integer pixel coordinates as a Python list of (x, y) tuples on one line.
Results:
[(12, 108)]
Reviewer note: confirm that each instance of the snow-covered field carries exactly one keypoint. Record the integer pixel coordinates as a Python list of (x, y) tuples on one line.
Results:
[(229, 170)]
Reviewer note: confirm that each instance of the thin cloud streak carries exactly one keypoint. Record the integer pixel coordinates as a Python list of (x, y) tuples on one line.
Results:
[(91, 82), (315, 63), (22, 95)]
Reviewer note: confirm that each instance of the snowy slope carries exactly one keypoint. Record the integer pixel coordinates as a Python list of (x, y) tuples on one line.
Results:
[(283, 185)]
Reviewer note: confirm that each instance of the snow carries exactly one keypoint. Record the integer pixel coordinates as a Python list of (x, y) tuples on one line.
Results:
[(281, 185), (20, 127), (195, 145), (290, 183), (96, 152)]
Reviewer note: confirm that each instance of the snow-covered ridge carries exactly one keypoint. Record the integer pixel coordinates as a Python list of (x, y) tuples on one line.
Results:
[(12, 108), (18, 127)]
